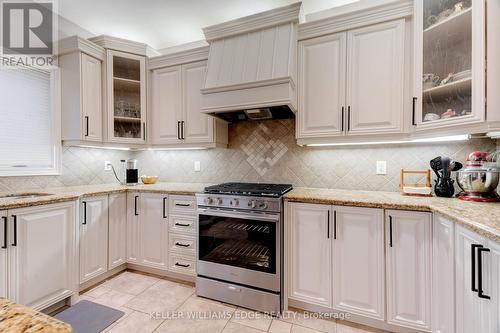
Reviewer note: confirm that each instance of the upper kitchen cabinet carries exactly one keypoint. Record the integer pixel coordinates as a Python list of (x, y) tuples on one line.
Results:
[(450, 53), (352, 75), (176, 118), (126, 91), (81, 63), (125, 86), (375, 83)]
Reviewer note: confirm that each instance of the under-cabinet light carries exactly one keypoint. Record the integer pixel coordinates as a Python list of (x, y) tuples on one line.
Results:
[(453, 138), (104, 147), (179, 148), (493, 135)]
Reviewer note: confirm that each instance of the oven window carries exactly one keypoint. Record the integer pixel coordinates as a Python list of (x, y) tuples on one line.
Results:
[(237, 242)]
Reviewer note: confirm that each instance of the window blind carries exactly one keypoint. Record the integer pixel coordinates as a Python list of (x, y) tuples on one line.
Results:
[(26, 122)]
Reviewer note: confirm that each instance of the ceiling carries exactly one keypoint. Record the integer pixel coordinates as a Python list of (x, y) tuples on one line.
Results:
[(166, 23)]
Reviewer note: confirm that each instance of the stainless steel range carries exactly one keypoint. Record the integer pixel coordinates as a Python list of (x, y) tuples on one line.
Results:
[(240, 244)]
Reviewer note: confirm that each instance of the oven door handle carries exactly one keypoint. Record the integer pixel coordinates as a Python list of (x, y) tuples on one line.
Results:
[(240, 215)]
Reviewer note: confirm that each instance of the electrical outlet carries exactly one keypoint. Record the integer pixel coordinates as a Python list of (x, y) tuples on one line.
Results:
[(381, 167), (107, 166), (197, 166)]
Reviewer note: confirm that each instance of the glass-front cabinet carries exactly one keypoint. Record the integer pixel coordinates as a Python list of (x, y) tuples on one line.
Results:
[(126, 87), (449, 63)]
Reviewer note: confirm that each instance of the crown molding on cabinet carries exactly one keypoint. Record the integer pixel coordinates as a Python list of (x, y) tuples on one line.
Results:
[(78, 44), (356, 19), (178, 58), (124, 45), (254, 22)]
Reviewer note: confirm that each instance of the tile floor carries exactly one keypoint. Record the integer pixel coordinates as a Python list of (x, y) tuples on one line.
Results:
[(153, 304)]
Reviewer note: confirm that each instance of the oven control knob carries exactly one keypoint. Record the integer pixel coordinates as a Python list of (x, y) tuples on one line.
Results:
[(234, 202), (251, 203), (208, 201), (219, 201), (263, 205)]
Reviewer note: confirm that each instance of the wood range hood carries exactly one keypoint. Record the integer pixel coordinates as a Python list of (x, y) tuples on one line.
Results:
[(252, 64)]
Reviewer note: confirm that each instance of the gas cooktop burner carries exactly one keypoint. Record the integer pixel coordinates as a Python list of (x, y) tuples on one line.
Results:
[(256, 189)]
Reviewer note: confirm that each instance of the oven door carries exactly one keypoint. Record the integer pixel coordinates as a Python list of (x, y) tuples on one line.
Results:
[(240, 247)]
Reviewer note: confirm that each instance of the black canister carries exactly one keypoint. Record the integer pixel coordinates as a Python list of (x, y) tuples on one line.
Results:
[(132, 172)]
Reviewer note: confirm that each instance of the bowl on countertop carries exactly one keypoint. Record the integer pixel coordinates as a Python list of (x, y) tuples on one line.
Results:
[(149, 179)]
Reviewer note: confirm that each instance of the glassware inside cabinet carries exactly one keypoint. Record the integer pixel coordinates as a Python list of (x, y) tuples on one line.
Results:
[(447, 59), (127, 97)]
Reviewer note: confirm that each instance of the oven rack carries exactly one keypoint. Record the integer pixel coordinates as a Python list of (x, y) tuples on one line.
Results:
[(245, 252), (220, 227)]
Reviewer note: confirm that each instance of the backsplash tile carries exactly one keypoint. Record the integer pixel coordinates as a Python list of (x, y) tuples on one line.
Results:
[(258, 152), (339, 167)]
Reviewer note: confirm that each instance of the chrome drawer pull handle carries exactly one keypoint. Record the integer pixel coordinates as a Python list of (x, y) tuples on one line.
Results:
[(233, 288)]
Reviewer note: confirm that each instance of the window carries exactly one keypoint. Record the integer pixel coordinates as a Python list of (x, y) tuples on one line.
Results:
[(30, 133)]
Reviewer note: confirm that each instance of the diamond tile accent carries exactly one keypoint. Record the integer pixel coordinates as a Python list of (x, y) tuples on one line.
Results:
[(263, 150)]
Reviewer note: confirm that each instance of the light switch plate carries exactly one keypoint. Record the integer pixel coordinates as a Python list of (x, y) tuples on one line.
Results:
[(197, 166), (107, 166), (381, 167)]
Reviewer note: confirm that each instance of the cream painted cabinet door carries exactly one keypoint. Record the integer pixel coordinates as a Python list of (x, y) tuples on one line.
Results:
[(311, 254), (408, 264), (117, 247), (93, 237), (443, 275), (42, 254), (492, 286), (375, 79), (322, 82), (471, 310), (4, 223), (126, 97), (153, 229), (91, 98), (358, 261), (197, 127), (133, 230), (167, 105)]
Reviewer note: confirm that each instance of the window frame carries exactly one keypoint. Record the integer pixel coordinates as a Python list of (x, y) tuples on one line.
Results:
[(56, 166)]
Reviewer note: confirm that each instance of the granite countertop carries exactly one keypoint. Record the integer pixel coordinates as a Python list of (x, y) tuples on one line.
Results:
[(16, 318), (62, 194), (483, 218)]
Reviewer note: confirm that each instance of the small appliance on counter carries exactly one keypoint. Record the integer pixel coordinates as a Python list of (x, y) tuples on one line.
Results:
[(443, 167), (479, 179), (132, 173)]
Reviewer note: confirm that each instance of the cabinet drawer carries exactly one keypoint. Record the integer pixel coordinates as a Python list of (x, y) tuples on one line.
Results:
[(182, 204), (182, 224), (182, 244), (182, 264)]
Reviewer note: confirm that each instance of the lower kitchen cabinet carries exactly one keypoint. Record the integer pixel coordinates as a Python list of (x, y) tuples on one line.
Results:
[(93, 237), (408, 264), (147, 229), (40, 254), (117, 213), (153, 230), (358, 261), (311, 254), (3, 254), (477, 283), (443, 275), (133, 207)]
